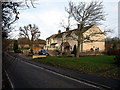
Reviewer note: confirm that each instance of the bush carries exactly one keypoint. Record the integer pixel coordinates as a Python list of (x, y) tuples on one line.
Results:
[(17, 51), (63, 53), (117, 59), (30, 54), (112, 52), (58, 51), (66, 53), (24, 48), (31, 51), (15, 47), (74, 50)]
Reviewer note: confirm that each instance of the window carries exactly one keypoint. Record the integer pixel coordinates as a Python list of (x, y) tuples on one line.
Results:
[(64, 38), (87, 37), (74, 38), (97, 48)]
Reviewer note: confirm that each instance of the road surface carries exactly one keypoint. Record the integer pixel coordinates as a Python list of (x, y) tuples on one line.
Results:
[(25, 75)]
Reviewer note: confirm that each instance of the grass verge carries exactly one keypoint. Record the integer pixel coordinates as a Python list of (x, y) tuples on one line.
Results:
[(100, 65)]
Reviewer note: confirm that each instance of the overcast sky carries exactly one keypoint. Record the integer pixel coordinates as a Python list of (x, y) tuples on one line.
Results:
[(48, 14)]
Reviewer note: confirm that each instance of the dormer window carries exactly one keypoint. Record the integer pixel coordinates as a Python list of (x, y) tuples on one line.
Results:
[(97, 48), (87, 37)]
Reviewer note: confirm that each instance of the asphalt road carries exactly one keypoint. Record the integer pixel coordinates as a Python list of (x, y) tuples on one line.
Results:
[(26, 75)]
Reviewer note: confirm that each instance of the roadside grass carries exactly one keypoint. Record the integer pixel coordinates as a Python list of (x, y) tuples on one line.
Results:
[(100, 65)]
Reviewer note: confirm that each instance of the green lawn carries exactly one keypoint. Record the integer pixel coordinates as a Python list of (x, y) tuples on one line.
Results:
[(101, 65)]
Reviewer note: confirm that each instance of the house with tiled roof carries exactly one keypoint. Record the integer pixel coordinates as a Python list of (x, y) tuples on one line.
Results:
[(93, 38), (37, 44)]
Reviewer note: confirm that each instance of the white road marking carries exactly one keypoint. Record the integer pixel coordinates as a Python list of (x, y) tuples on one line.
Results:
[(62, 75), (9, 80)]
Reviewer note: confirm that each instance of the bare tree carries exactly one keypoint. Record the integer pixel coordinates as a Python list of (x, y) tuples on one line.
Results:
[(10, 14), (112, 43), (86, 14), (67, 24), (31, 1), (30, 32), (64, 24)]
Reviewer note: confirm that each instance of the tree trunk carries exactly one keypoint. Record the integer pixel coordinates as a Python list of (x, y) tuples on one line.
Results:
[(78, 47), (79, 40)]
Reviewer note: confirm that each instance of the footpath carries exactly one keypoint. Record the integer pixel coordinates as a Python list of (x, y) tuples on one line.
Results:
[(105, 83)]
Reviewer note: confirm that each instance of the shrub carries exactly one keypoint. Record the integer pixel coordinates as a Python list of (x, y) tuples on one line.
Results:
[(66, 53), (112, 52), (31, 51), (15, 47), (58, 51), (74, 50), (63, 53), (30, 54), (17, 51), (117, 59)]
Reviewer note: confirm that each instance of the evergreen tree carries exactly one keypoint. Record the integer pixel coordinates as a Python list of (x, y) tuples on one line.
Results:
[(74, 50), (15, 48)]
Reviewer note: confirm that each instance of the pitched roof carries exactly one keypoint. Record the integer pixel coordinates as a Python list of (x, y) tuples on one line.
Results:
[(70, 31), (52, 36), (23, 41), (39, 41), (26, 41)]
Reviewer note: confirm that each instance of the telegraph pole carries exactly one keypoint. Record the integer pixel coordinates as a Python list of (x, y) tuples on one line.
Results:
[(119, 19)]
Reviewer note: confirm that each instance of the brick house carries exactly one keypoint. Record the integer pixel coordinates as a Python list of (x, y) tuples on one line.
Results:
[(37, 44)]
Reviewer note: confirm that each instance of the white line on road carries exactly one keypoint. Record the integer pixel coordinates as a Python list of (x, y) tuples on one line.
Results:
[(63, 75), (9, 80)]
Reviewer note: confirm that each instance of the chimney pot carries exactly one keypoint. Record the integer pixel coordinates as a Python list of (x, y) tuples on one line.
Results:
[(59, 31), (67, 29)]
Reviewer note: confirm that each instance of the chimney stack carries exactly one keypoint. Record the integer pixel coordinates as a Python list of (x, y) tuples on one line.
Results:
[(79, 26), (67, 29), (59, 31)]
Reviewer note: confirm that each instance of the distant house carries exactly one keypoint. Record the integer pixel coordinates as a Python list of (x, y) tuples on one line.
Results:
[(11, 44), (65, 41), (37, 44), (23, 43)]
